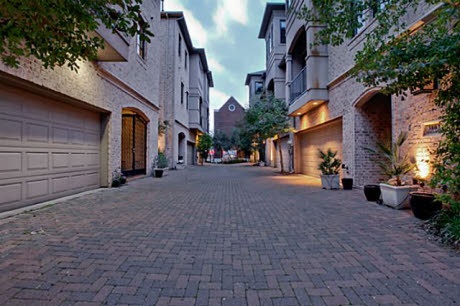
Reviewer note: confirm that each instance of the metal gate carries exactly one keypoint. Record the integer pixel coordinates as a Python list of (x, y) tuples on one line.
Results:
[(133, 145)]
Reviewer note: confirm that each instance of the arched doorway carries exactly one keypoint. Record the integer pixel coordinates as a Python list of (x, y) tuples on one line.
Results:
[(373, 124), (133, 143), (181, 148)]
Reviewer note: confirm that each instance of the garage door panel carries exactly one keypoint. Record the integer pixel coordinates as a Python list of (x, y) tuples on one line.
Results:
[(10, 193), (37, 188), (10, 162), (37, 132), (10, 129), (60, 135), (41, 159), (60, 160), (37, 161), (60, 184)]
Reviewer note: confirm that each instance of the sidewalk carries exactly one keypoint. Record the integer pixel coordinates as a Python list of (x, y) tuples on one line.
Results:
[(220, 235)]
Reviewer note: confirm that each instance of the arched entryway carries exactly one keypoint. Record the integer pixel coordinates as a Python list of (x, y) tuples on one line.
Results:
[(133, 142), (373, 124), (181, 148)]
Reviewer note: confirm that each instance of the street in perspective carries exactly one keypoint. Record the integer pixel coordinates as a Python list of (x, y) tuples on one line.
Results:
[(223, 235)]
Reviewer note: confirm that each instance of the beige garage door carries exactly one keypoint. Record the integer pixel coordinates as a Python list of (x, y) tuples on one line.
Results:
[(327, 136), (47, 149)]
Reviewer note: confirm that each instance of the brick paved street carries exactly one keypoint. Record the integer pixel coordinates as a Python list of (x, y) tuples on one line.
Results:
[(220, 235)]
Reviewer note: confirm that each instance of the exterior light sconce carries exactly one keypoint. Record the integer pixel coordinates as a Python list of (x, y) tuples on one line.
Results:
[(422, 160)]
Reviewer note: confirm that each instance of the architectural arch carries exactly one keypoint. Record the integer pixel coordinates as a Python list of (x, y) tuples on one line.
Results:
[(373, 124), (133, 141), (181, 145)]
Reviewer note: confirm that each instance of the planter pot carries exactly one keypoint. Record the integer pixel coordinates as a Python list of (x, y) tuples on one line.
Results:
[(424, 205), (347, 183), (330, 181), (115, 183), (158, 172), (396, 196), (123, 180), (372, 192), (262, 164)]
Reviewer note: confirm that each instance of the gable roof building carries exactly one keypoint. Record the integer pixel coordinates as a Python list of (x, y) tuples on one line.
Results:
[(227, 117)]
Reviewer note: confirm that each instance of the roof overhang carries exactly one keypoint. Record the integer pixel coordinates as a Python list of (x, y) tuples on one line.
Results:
[(269, 8)]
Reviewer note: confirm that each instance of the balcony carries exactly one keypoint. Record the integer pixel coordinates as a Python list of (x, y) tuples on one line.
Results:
[(116, 47), (298, 85), (308, 90)]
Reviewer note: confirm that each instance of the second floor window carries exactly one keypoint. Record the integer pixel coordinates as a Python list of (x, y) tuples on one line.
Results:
[(179, 46), (283, 31), (140, 44), (258, 88), (181, 93), (185, 59)]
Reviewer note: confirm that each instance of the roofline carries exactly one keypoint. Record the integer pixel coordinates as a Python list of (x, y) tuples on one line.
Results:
[(251, 74), (179, 16), (269, 8)]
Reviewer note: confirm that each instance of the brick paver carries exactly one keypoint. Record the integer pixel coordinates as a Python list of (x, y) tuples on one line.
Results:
[(223, 235)]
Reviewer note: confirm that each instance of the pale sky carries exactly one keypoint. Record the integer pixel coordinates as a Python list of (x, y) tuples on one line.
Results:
[(228, 31)]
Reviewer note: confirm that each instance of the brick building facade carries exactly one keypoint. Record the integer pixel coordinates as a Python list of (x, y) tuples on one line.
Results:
[(227, 117), (331, 110)]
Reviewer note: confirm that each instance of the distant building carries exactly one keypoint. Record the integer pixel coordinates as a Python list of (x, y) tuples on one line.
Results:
[(184, 91), (227, 117)]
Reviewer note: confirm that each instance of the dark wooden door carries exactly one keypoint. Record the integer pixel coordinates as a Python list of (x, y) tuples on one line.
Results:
[(133, 145)]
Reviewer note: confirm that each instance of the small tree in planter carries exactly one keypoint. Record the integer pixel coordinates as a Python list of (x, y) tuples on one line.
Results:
[(161, 162), (394, 165), (204, 145), (329, 167)]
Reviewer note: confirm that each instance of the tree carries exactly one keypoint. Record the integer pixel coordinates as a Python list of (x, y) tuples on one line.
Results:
[(268, 118), (220, 141), (60, 33), (399, 60), (204, 145)]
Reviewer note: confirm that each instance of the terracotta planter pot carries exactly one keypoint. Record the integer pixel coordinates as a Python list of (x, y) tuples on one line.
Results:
[(424, 205), (372, 192)]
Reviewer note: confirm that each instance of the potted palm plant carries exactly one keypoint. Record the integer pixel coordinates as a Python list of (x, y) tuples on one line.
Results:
[(329, 167), (394, 165), (161, 162)]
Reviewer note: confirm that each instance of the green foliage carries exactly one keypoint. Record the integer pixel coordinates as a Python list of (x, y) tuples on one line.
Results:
[(399, 59), (60, 33), (446, 225), (268, 117), (204, 145), (161, 161), (330, 164), (220, 141), (390, 160)]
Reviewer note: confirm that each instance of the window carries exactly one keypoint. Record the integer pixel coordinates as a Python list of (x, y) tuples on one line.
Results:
[(269, 44), (186, 99), (360, 17), (258, 87), (283, 31), (179, 46), (181, 93), (185, 59), (140, 43)]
